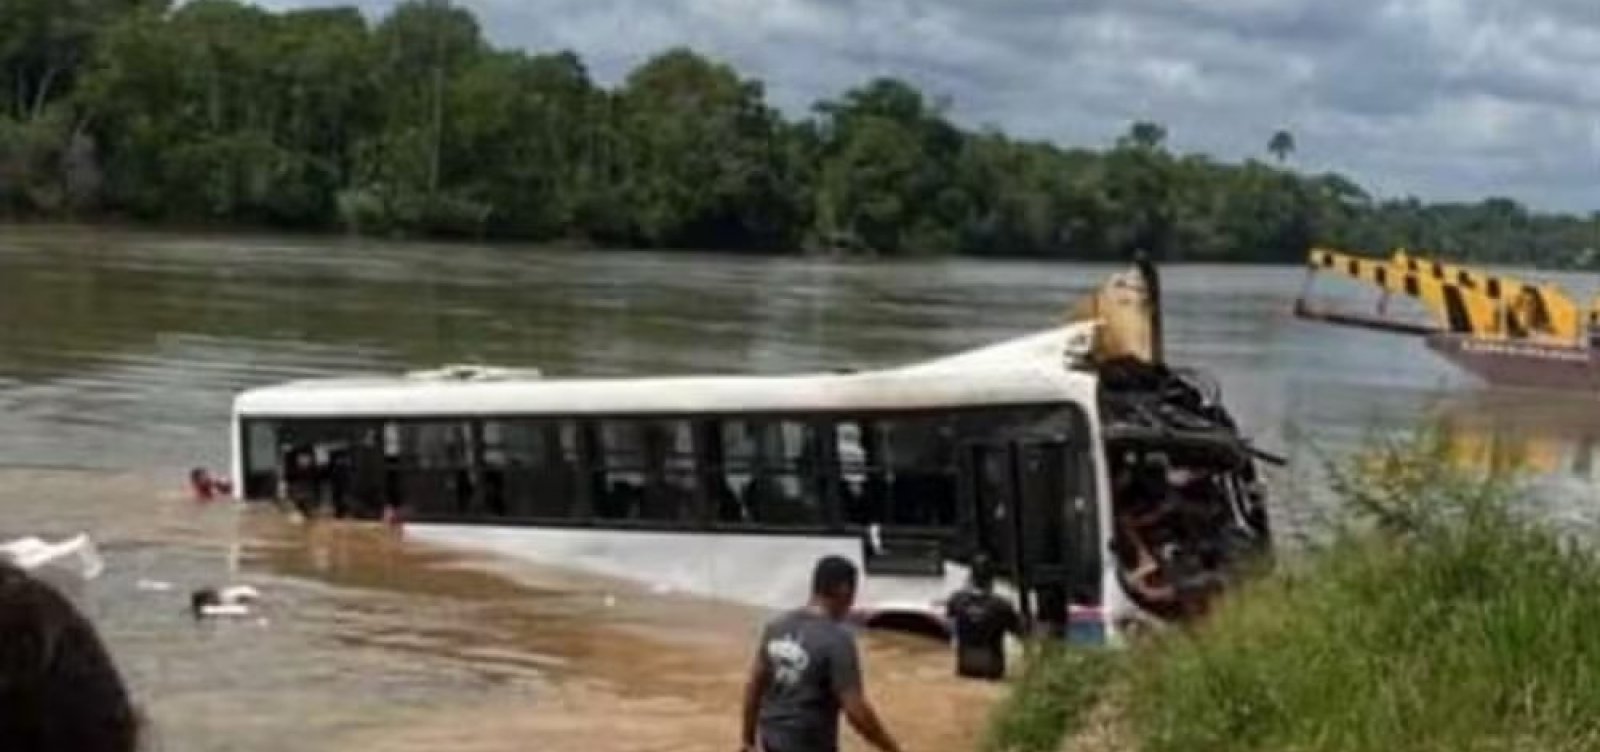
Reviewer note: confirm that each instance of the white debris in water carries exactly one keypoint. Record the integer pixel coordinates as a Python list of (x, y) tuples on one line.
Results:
[(154, 586), (239, 594), (610, 600), (32, 553), (234, 600), (225, 609)]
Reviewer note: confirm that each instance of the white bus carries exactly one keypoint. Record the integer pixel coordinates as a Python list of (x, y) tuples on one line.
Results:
[(732, 486)]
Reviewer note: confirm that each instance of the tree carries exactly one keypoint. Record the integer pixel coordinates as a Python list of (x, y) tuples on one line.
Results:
[(48, 162), (1139, 186), (1144, 134), (520, 139), (888, 169), (44, 45), (409, 170), (704, 163), (1281, 145), (220, 110)]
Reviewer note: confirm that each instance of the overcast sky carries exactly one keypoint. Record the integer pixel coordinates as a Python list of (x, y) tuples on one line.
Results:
[(1447, 99)]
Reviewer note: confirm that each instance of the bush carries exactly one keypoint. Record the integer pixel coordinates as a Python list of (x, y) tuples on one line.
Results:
[(1057, 689), (1438, 616)]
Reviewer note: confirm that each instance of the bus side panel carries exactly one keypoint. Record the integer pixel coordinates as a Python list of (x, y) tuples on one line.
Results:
[(767, 570)]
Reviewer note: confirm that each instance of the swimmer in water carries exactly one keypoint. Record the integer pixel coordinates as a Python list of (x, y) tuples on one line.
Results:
[(207, 487)]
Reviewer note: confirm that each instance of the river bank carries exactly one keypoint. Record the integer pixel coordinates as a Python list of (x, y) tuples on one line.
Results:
[(223, 231), (1442, 613)]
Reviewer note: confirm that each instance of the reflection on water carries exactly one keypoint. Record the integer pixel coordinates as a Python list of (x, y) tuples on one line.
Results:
[(1549, 435), (120, 352)]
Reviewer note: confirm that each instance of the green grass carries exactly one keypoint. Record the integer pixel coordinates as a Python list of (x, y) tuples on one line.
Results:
[(1438, 617), (1436, 614), (1051, 699)]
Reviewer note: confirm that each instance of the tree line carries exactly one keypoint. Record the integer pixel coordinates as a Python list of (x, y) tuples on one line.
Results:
[(217, 111)]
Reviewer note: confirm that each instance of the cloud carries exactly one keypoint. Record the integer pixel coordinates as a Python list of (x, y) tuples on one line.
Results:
[(1447, 99)]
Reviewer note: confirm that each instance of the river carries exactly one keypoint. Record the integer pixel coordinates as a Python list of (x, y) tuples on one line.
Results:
[(120, 352)]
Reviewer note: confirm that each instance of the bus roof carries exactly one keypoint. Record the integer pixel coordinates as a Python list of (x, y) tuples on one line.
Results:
[(1030, 369)]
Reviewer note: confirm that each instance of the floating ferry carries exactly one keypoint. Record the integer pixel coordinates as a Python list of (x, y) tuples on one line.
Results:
[(1506, 331), (732, 486)]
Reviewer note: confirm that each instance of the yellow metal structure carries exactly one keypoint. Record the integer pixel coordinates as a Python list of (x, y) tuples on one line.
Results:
[(1122, 307), (1467, 301)]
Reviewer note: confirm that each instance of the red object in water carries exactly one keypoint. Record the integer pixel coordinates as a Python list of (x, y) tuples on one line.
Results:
[(206, 488)]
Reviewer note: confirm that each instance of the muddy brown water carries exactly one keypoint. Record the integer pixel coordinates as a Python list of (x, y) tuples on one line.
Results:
[(367, 641), (119, 353)]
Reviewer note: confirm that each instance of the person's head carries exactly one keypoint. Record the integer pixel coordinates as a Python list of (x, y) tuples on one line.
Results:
[(833, 585), (199, 482), (58, 687), (199, 599), (982, 573)]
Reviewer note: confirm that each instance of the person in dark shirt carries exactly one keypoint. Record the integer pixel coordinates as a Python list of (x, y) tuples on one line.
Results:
[(806, 670), (980, 620)]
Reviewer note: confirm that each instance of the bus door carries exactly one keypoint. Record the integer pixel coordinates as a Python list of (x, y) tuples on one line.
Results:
[(1020, 505)]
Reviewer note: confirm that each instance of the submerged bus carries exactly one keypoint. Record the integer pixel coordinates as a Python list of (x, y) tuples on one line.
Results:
[(732, 486)]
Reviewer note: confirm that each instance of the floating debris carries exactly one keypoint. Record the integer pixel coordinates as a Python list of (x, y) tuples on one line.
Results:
[(235, 600), (31, 553)]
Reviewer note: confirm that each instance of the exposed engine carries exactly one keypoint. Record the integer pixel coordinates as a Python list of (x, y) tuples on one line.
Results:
[(1189, 505)]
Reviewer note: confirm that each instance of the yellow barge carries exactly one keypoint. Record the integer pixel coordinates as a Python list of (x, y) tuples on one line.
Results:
[(1507, 331)]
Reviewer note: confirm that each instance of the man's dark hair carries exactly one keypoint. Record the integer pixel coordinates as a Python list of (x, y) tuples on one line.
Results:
[(831, 574), (982, 572), (58, 687)]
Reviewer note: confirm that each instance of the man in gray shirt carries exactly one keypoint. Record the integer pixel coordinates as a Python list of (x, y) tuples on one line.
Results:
[(806, 670)]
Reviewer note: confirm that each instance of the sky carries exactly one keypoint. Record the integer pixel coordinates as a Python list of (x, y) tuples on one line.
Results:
[(1443, 99)]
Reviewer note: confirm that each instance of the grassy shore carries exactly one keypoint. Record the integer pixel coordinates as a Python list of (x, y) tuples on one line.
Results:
[(1436, 615)]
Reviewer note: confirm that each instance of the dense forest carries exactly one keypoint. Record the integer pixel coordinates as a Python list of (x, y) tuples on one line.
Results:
[(215, 111)]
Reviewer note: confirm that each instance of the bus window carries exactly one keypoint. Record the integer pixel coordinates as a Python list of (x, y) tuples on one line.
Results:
[(674, 483), (858, 488), (494, 450), (261, 470), (316, 463), (620, 469), (920, 459), (646, 470), (366, 472), (436, 468), (769, 473), (900, 471), (533, 467)]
